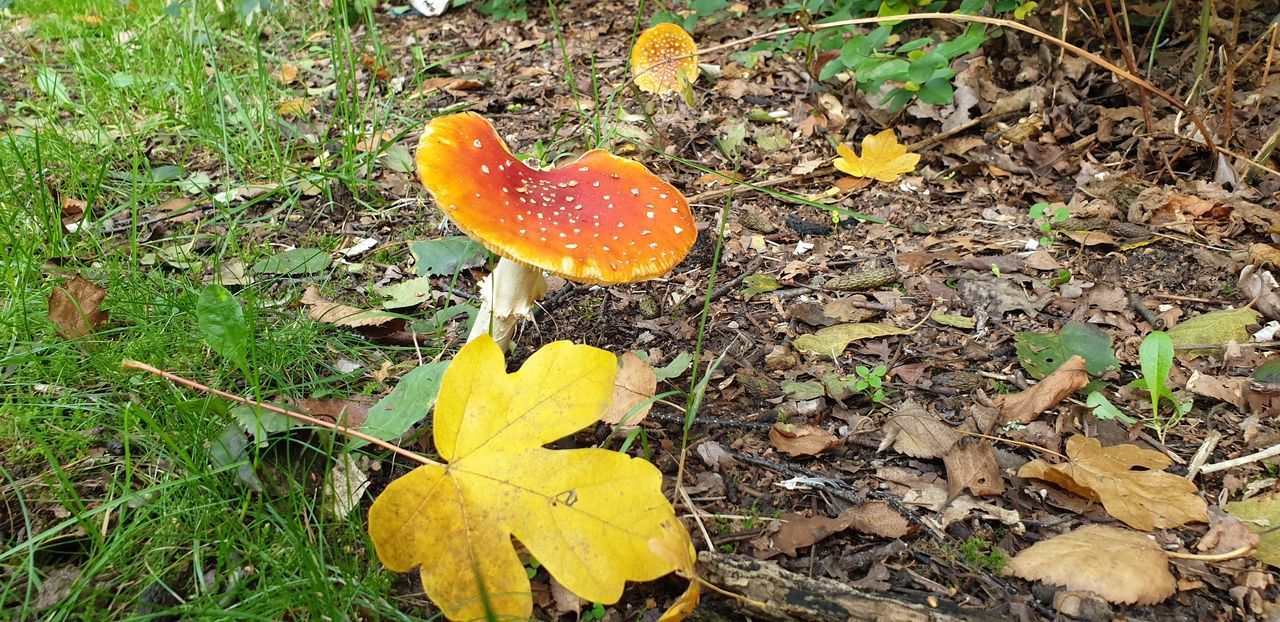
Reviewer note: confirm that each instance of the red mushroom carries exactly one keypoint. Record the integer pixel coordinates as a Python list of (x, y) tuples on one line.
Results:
[(599, 219), (664, 59)]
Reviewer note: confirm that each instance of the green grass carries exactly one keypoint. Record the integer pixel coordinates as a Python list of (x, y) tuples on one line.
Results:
[(110, 472)]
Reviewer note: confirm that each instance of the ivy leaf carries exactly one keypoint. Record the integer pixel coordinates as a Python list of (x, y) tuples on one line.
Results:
[(593, 518), (882, 159)]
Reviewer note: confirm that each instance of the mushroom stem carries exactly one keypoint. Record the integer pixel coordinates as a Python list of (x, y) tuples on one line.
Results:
[(507, 295)]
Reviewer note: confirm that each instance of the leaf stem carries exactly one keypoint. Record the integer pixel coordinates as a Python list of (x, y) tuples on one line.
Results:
[(136, 365), (1220, 557)]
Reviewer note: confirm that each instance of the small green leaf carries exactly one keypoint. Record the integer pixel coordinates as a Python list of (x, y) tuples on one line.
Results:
[(406, 405), (758, 284), (1041, 353), (1156, 358), (1104, 409), (407, 293), (298, 261), (677, 366), (221, 322), (446, 256)]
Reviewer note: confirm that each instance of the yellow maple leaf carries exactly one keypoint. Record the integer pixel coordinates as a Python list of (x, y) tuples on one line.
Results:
[(883, 158), (593, 518)]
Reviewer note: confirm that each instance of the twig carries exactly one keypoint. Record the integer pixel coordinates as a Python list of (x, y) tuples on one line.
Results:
[(131, 364), (1269, 452), (1202, 454), (696, 304)]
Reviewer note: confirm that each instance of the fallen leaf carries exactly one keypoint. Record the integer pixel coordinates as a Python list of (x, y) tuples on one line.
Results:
[(75, 307), (592, 517), (351, 413), (1122, 566), (1215, 328), (1226, 533), (287, 74), (801, 439), (633, 391), (322, 310), (446, 256), (1262, 514), (1229, 390), (1261, 287), (1025, 406), (875, 518), (1128, 480), (452, 85), (345, 485), (294, 262), (882, 159), (406, 405), (832, 340), (1092, 238), (918, 433), (296, 107), (1264, 255), (972, 466), (1041, 353), (56, 587)]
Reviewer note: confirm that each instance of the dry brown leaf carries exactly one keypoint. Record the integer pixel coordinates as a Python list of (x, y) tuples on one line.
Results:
[(972, 465), (801, 439), (1024, 407), (452, 85), (349, 413), (1226, 533), (875, 518), (322, 310), (1092, 238), (1128, 480), (918, 433), (1122, 566), (633, 390), (1229, 390), (287, 74), (75, 307)]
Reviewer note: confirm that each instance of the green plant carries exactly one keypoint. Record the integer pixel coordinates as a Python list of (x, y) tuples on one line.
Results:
[(978, 552), (515, 10), (1045, 218), (895, 73), (1155, 356), (596, 612), (870, 382)]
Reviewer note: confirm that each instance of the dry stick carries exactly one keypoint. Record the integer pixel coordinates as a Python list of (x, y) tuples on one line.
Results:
[(1074, 49), (1202, 454), (1269, 452), (1126, 52), (131, 364)]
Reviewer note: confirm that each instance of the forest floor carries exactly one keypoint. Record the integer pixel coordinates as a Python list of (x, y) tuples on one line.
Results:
[(151, 151)]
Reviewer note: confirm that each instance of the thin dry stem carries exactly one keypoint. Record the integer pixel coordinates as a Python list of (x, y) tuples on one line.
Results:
[(131, 364), (1243, 551)]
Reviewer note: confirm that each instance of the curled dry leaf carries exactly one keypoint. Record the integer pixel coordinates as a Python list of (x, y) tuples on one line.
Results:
[(594, 518), (972, 465), (1262, 515), (75, 307), (801, 439), (1128, 480), (1024, 407), (875, 518), (918, 433), (1122, 566), (633, 390)]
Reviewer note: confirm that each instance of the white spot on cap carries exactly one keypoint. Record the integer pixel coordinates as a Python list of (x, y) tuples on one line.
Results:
[(484, 168), (678, 229), (477, 143), (635, 192), (571, 246), (649, 214)]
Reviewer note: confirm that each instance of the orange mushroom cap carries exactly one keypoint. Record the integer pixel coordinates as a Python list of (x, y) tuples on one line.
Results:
[(651, 59), (599, 219)]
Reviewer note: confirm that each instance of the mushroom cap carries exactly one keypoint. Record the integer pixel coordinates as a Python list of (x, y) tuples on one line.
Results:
[(651, 63), (599, 219)]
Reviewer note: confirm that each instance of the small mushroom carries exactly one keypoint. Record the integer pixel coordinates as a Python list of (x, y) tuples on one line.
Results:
[(599, 219), (663, 59)]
